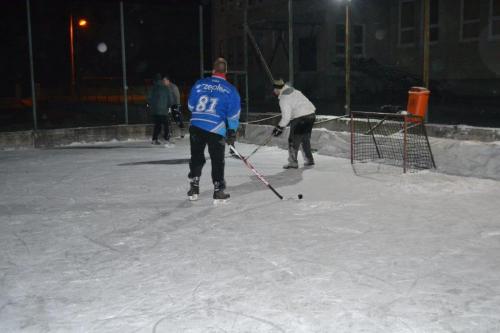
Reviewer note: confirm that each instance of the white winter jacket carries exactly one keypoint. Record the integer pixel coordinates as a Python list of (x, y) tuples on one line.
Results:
[(293, 104)]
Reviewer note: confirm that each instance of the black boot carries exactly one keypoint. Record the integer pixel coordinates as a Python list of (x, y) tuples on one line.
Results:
[(194, 188), (292, 159), (219, 193)]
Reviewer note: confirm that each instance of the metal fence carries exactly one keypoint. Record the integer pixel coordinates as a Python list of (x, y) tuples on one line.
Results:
[(93, 61)]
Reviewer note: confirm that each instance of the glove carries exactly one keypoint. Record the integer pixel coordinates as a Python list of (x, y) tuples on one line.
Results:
[(231, 137), (277, 131)]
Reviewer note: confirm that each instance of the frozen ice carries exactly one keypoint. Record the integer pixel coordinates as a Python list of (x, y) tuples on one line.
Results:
[(101, 238)]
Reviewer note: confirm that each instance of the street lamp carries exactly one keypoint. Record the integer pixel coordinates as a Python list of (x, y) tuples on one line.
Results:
[(82, 23)]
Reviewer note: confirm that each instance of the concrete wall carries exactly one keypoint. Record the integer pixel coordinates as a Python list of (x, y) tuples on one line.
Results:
[(58, 137), (17, 140)]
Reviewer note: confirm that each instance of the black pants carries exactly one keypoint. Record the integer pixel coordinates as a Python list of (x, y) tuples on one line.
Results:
[(177, 115), (199, 139), (300, 134), (159, 121)]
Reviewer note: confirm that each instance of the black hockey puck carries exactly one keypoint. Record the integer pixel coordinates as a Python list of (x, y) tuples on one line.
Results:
[(300, 196)]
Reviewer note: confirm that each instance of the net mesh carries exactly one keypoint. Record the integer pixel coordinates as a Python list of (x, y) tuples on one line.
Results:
[(391, 139)]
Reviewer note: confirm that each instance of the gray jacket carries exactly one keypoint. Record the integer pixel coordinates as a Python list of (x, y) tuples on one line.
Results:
[(176, 96)]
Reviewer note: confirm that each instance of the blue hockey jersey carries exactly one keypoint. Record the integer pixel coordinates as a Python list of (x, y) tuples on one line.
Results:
[(214, 104)]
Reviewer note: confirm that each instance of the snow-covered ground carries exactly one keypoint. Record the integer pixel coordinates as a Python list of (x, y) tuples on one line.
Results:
[(101, 238)]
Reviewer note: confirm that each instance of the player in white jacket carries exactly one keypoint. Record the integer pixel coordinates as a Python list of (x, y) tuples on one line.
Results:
[(299, 112)]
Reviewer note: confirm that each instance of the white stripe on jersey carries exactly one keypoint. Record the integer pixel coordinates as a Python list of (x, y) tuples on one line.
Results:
[(207, 113), (221, 125), (208, 121)]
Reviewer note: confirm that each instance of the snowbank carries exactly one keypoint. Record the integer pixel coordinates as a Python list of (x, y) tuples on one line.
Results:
[(454, 157)]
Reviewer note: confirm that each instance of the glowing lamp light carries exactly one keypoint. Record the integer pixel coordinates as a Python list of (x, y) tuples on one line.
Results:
[(82, 23)]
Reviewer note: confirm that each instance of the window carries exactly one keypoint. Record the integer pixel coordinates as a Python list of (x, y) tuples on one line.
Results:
[(471, 11), (358, 48), (407, 22), (357, 38), (495, 19), (307, 54), (434, 27)]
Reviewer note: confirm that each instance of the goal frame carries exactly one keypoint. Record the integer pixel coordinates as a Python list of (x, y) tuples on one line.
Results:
[(363, 120)]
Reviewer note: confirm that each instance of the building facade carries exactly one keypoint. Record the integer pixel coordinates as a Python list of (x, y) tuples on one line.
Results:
[(386, 46)]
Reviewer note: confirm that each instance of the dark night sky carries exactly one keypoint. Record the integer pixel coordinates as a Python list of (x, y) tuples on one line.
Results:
[(161, 36)]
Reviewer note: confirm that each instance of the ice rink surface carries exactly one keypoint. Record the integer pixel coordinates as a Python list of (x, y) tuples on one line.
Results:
[(101, 238)]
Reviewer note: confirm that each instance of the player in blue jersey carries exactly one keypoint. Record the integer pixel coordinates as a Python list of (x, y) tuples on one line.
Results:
[(215, 112)]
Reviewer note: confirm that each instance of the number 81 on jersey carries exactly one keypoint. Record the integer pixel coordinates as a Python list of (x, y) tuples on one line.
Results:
[(203, 101)]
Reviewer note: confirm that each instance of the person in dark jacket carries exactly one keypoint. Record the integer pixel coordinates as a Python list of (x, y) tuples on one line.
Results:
[(160, 100), (176, 105)]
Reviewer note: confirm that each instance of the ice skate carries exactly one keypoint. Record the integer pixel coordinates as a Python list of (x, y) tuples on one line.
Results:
[(219, 195), (308, 164), (194, 189), (292, 159), (291, 165)]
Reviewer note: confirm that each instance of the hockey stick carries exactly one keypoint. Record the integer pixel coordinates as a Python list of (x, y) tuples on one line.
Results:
[(261, 178), (260, 146)]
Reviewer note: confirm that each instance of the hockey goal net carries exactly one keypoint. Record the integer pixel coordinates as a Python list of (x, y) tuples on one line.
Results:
[(388, 138)]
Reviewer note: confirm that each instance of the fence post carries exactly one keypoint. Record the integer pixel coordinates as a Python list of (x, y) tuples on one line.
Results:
[(405, 144), (124, 62), (245, 49), (290, 42), (348, 57), (202, 59), (32, 71)]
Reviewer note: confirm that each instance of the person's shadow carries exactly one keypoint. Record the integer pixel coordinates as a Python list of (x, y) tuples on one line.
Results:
[(284, 178)]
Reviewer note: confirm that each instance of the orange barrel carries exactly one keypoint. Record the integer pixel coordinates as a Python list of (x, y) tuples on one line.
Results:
[(418, 101)]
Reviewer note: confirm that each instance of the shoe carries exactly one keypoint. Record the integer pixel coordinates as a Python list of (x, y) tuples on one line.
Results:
[(155, 142), (308, 163), (194, 188), (219, 193), (291, 165)]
